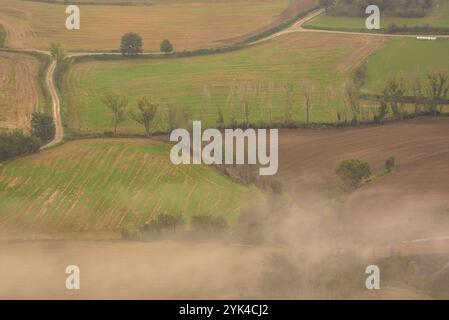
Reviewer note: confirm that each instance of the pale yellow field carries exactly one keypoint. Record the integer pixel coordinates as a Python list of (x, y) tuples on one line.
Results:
[(188, 24), (19, 90)]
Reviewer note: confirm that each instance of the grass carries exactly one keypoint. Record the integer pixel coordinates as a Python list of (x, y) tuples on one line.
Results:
[(439, 18), (189, 24), (22, 89), (203, 85), (94, 185), (407, 58)]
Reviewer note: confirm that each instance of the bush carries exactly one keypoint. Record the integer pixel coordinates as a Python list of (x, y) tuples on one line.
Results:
[(166, 46), (352, 172), (164, 223), (130, 234), (131, 44), (276, 187), (15, 143), (208, 222), (390, 164), (42, 126)]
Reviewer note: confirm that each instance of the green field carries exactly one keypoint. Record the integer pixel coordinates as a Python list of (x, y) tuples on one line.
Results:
[(439, 18), (104, 185), (407, 58), (205, 84)]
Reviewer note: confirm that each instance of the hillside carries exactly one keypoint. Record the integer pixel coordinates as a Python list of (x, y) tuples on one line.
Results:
[(106, 185)]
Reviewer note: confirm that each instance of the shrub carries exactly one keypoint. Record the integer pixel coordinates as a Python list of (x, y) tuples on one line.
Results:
[(42, 126), (15, 143), (166, 46), (390, 164), (208, 222), (130, 234), (352, 172), (164, 223), (276, 187)]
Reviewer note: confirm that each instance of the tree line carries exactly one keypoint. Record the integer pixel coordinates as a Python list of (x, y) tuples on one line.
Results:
[(427, 97), (15, 143), (396, 8)]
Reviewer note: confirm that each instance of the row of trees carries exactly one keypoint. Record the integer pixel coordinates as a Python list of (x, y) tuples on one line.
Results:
[(397, 8), (118, 105), (426, 96), (132, 44), (169, 224), (253, 104)]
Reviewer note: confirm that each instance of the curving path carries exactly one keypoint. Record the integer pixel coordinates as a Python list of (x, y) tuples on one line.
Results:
[(56, 106)]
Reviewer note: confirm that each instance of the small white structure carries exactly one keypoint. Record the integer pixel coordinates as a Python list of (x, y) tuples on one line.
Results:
[(426, 38)]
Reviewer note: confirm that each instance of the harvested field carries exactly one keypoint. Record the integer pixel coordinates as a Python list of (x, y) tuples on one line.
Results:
[(19, 90), (37, 24)]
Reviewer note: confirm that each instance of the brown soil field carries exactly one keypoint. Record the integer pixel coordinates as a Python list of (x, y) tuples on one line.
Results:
[(308, 158), (19, 90), (36, 25)]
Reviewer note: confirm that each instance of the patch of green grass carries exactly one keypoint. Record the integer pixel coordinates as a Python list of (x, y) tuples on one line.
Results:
[(407, 58), (93, 185), (439, 18), (206, 84)]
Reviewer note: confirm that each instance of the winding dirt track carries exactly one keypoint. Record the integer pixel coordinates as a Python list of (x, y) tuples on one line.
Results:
[(59, 132)]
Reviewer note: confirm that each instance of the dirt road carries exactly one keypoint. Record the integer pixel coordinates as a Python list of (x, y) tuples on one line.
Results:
[(56, 106)]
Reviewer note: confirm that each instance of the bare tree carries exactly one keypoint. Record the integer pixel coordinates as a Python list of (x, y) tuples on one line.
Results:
[(438, 88), (117, 104), (308, 91), (394, 90), (352, 99), (418, 94), (289, 91), (145, 114)]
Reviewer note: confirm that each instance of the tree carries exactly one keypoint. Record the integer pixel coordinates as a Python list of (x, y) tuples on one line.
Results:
[(146, 112), (308, 90), (42, 126), (326, 3), (131, 44), (438, 88), (352, 172), (117, 104), (352, 99), (57, 51), (289, 102), (394, 90), (3, 36), (418, 94), (166, 46), (390, 164)]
